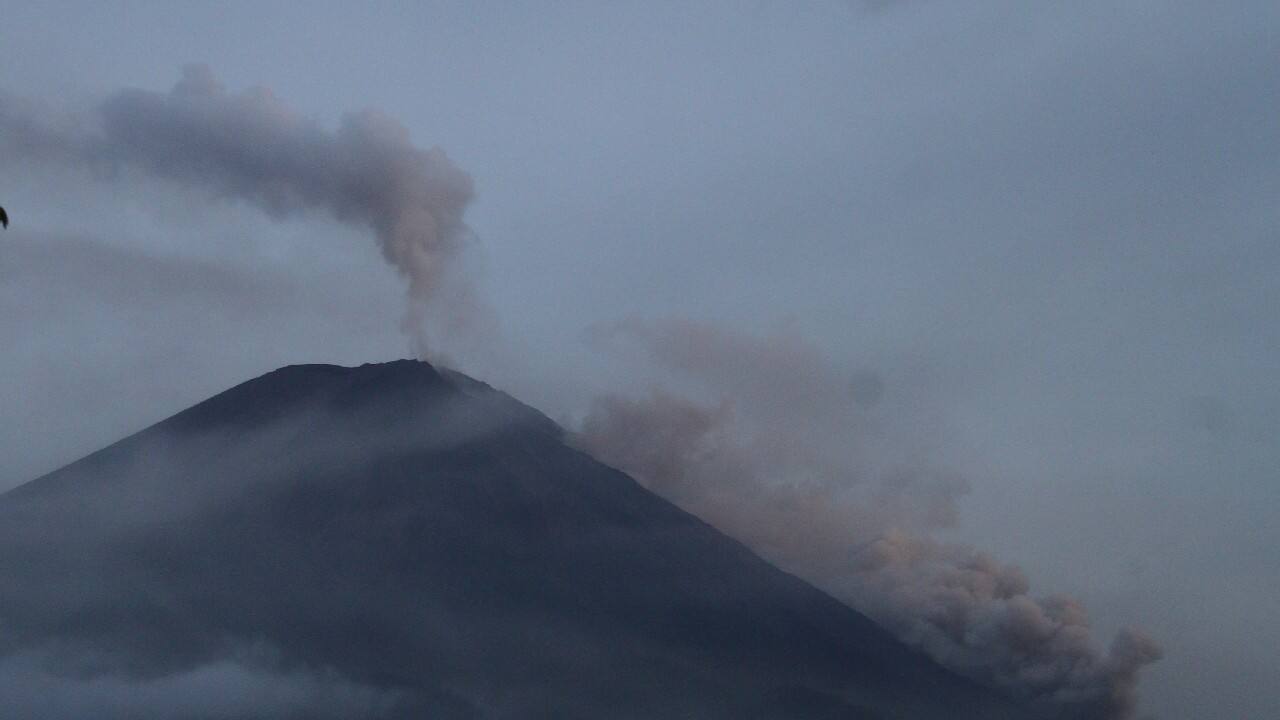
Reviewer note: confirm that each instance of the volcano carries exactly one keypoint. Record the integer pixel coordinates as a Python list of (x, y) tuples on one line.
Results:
[(402, 541)]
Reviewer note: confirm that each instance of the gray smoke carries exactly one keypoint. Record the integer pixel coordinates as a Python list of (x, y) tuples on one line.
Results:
[(251, 147), (773, 445)]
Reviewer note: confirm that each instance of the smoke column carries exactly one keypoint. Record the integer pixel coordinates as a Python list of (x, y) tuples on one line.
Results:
[(251, 147), (775, 447)]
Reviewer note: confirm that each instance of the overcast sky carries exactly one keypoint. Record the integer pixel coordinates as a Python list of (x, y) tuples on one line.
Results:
[(1050, 227)]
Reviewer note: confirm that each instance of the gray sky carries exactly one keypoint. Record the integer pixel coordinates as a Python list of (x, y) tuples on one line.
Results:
[(1049, 227)]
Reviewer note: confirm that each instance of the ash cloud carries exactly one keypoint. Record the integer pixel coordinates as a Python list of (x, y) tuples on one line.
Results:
[(252, 147), (764, 437), (763, 442)]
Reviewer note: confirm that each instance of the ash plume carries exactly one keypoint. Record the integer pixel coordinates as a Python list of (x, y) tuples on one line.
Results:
[(251, 147), (765, 438), (775, 446)]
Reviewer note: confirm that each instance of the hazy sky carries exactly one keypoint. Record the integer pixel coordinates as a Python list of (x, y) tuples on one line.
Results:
[(1051, 228)]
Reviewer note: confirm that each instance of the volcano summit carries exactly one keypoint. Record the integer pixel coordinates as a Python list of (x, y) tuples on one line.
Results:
[(398, 541)]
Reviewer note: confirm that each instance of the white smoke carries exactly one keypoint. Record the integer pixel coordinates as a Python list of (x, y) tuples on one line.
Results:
[(251, 147), (777, 448)]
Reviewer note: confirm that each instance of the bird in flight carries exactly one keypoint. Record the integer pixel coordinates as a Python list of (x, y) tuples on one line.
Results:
[(4, 218)]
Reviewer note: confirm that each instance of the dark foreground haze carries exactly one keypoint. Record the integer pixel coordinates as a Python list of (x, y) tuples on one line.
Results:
[(394, 541)]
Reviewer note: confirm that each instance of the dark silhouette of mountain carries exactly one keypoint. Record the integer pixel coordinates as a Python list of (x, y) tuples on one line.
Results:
[(397, 541)]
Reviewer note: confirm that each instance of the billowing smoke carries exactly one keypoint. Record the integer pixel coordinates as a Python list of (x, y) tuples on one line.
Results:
[(776, 447), (251, 147)]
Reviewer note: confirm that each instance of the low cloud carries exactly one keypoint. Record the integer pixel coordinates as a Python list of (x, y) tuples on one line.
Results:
[(234, 687)]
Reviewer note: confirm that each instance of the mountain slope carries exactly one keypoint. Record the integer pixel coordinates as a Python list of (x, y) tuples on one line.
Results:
[(393, 541)]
